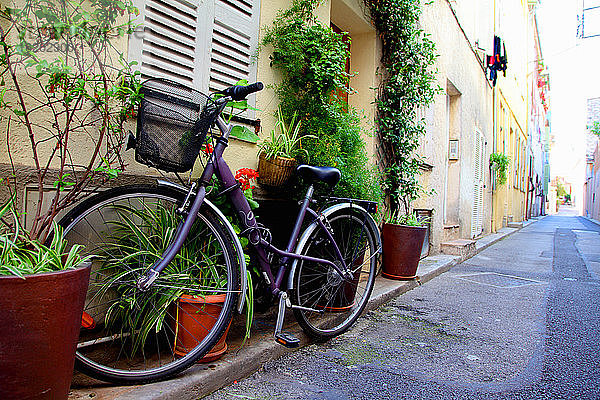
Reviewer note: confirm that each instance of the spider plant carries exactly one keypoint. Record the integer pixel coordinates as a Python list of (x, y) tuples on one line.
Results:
[(288, 142), (410, 219), (139, 237), (20, 256)]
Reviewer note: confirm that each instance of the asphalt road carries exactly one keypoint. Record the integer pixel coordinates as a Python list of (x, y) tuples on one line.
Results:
[(521, 320)]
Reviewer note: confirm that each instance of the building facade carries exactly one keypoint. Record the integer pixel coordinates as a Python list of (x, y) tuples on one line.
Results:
[(214, 44), (591, 185)]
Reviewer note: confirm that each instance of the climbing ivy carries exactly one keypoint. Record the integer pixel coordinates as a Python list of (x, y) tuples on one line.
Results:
[(408, 84), (311, 58)]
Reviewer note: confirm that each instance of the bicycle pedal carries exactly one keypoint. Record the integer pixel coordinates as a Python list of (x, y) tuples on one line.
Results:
[(287, 339)]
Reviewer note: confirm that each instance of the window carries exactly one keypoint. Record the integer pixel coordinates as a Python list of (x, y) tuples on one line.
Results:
[(207, 45)]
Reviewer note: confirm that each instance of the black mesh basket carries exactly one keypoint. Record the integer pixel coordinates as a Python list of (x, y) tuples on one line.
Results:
[(173, 121)]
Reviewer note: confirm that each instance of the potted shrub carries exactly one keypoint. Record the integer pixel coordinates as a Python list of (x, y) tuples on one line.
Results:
[(403, 238), (278, 153), (43, 290), (141, 235), (65, 94)]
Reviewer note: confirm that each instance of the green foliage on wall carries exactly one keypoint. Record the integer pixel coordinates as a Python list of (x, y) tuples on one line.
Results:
[(408, 84), (499, 163), (595, 128), (311, 58)]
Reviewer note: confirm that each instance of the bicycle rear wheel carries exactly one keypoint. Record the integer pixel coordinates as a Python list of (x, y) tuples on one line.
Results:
[(130, 336), (329, 304)]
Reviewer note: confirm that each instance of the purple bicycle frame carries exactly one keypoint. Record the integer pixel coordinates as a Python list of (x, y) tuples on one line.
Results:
[(217, 165)]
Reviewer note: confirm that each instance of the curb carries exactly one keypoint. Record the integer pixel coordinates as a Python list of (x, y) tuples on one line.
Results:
[(592, 220), (202, 380)]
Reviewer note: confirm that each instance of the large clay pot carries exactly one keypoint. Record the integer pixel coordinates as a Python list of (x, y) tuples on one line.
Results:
[(193, 325), (276, 171), (344, 298), (40, 319), (402, 250)]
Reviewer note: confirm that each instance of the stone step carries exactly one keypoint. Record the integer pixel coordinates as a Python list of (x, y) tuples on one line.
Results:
[(515, 225), (459, 247)]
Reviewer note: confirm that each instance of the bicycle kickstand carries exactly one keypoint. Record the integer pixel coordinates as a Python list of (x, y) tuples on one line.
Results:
[(281, 337)]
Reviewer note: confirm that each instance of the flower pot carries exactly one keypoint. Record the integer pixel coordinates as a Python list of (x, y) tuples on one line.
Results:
[(40, 318), (402, 250), (195, 317), (276, 171), (344, 299)]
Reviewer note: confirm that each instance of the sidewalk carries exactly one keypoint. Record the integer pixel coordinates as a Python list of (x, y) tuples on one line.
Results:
[(240, 362)]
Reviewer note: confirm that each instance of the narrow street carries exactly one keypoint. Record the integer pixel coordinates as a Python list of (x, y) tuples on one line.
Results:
[(521, 320)]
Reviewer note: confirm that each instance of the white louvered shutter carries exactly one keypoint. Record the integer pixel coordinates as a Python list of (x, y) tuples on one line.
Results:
[(207, 44), (234, 41), (172, 40), (478, 178)]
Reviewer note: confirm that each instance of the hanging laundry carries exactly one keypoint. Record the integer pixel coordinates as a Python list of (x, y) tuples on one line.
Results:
[(498, 61)]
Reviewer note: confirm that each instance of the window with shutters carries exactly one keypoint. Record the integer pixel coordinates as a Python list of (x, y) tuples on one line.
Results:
[(205, 44), (478, 183)]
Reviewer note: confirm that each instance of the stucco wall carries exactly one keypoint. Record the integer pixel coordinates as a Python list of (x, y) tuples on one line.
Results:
[(348, 14), (470, 110)]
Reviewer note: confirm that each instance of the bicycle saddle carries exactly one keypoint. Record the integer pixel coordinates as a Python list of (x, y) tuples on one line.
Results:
[(329, 175)]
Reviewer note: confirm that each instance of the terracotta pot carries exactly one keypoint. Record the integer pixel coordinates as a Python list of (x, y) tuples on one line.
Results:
[(196, 316), (402, 250), (344, 298), (40, 319), (275, 172)]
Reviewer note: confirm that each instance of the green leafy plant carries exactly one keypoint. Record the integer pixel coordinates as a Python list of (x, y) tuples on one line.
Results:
[(411, 219), (499, 162), (408, 84), (595, 128), (288, 142), (141, 236), (20, 256), (236, 108), (312, 60), (62, 84)]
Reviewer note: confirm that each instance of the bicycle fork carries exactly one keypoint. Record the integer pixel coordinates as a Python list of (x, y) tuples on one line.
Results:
[(183, 229)]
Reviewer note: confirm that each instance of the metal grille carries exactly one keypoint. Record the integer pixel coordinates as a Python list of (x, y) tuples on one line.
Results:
[(172, 125), (499, 280)]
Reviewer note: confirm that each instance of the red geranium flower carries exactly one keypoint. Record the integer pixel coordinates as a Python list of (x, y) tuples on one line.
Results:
[(244, 176), (207, 149)]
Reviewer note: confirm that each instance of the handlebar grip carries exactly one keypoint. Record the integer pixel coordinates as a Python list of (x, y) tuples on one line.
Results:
[(240, 92)]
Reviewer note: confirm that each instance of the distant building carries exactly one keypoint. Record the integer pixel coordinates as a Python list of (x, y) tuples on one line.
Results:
[(538, 144), (591, 185)]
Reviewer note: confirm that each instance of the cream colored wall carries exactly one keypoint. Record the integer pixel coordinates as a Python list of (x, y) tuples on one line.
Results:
[(511, 94), (458, 65), (347, 15), (365, 50), (81, 147)]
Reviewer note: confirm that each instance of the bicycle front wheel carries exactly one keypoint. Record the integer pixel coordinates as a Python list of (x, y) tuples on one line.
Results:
[(131, 336), (329, 304)]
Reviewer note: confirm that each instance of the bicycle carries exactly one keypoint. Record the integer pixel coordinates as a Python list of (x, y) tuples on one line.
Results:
[(156, 244)]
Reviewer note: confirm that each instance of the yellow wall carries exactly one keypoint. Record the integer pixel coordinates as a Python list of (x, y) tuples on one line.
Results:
[(365, 55), (347, 14), (510, 139), (510, 113)]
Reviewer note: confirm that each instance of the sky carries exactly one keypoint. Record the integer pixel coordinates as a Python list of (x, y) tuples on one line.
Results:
[(574, 66)]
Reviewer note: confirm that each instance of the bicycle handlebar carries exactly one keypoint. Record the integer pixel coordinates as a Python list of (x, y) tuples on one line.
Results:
[(240, 92)]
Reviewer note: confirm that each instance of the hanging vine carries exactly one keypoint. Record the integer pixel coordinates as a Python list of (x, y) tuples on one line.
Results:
[(408, 84)]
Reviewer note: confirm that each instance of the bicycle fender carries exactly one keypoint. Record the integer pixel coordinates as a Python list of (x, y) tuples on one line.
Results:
[(326, 213), (236, 241)]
